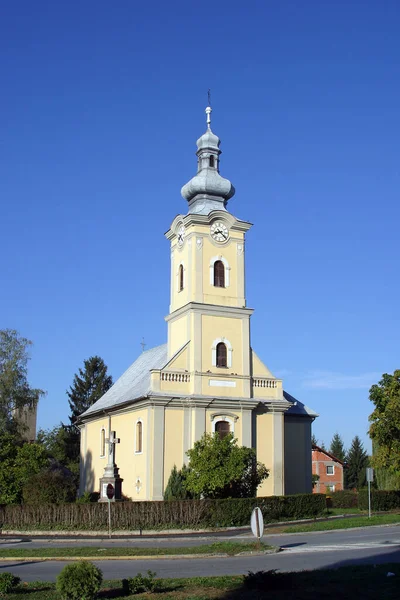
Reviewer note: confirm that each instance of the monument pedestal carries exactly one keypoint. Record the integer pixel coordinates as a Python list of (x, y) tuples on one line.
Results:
[(116, 482)]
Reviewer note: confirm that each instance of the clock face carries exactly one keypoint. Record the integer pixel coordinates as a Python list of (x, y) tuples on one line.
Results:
[(219, 231), (181, 234)]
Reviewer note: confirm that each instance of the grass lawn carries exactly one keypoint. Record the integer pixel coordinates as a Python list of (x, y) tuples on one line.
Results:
[(358, 521), (230, 548), (368, 583)]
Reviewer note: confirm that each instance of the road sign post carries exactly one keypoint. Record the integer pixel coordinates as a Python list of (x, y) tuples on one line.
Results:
[(110, 496), (257, 524), (370, 477)]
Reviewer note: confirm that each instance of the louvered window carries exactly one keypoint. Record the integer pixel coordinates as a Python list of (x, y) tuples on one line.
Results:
[(222, 428), (102, 442), (139, 436), (219, 274), (221, 355), (181, 282)]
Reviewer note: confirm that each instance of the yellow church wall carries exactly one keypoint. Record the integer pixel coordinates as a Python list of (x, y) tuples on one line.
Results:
[(178, 334), (214, 327), (175, 387), (259, 369), (227, 296), (94, 462), (265, 450), (180, 362), (130, 463), (173, 441)]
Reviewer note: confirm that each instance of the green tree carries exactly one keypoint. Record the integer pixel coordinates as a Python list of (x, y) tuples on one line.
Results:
[(176, 486), (88, 386), (15, 391), (18, 462), (63, 441), (314, 440), (219, 468), (62, 444), (357, 462), (337, 447), (385, 423)]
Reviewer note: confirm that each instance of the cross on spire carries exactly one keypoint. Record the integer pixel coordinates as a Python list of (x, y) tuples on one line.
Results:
[(143, 344)]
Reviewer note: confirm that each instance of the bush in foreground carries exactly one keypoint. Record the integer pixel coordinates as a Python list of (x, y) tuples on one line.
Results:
[(8, 581), (139, 584), (380, 500), (79, 581)]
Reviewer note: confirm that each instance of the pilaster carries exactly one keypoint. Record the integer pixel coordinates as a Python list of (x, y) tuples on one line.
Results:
[(158, 427)]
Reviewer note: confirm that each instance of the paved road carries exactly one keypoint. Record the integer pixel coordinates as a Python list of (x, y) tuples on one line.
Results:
[(300, 551)]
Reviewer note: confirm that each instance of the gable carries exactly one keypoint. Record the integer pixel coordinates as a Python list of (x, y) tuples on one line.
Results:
[(258, 368), (180, 360)]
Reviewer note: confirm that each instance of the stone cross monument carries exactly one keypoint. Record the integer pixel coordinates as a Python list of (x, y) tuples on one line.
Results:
[(111, 471)]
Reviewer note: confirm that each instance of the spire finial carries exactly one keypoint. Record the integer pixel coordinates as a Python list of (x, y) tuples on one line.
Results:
[(208, 110)]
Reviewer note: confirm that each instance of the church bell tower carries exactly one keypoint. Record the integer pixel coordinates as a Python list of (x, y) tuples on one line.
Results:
[(209, 321)]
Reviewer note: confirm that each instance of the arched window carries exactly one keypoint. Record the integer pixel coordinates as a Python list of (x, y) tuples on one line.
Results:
[(212, 161), (180, 278), (222, 355), (219, 274), (139, 436), (222, 428), (103, 442)]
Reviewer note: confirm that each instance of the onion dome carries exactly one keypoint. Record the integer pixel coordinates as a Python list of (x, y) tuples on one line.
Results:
[(207, 190)]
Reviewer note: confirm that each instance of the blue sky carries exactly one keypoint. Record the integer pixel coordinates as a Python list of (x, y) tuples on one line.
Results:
[(100, 108)]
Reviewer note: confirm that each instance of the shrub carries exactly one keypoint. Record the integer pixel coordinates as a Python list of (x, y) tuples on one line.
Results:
[(88, 497), (128, 516), (8, 581), (139, 584), (344, 499), (380, 500), (79, 581), (49, 487)]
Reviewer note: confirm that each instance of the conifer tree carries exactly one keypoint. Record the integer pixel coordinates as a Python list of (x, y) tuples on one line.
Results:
[(337, 447), (314, 440), (176, 486), (89, 385), (357, 462)]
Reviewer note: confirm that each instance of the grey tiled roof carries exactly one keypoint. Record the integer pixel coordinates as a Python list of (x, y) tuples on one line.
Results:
[(298, 408), (134, 383)]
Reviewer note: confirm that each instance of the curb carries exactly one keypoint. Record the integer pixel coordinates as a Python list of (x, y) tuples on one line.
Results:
[(151, 557)]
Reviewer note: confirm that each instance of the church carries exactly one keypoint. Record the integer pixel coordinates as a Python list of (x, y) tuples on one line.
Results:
[(207, 377)]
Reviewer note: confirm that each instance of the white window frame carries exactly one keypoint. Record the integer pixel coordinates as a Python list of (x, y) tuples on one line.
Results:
[(228, 353), (136, 428), (102, 455), (181, 264), (227, 270), (333, 470)]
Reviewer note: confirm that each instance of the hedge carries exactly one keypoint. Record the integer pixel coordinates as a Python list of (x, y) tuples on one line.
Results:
[(380, 500), (182, 514), (344, 499)]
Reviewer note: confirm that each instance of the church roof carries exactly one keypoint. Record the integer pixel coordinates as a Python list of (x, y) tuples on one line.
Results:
[(298, 408), (134, 383)]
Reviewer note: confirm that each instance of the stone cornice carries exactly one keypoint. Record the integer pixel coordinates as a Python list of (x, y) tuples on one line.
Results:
[(216, 310), (195, 219)]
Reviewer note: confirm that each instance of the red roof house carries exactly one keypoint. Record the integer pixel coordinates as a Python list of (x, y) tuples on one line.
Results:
[(329, 469)]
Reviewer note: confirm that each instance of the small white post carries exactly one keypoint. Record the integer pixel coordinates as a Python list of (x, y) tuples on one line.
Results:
[(109, 518)]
